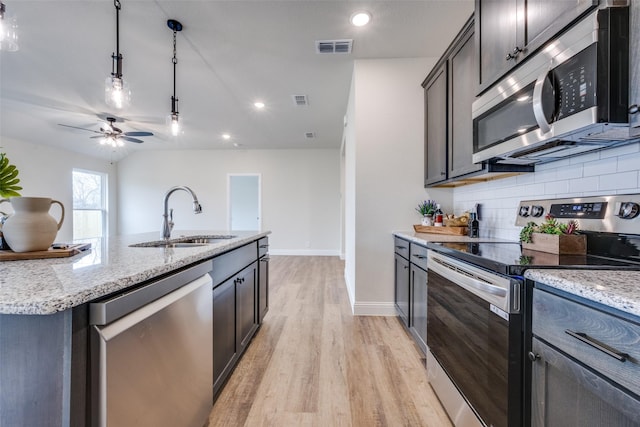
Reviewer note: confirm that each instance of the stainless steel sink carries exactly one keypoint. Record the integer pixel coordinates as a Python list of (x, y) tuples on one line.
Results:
[(185, 242)]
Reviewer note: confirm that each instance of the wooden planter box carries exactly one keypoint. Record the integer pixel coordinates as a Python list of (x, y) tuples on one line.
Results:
[(562, 244)]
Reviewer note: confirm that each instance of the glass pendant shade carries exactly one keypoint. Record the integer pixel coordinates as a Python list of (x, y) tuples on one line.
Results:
[(116, 92), (173, 122), (8, 31)]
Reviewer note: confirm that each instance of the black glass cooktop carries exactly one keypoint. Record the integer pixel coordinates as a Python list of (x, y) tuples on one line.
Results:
[(510, 259)]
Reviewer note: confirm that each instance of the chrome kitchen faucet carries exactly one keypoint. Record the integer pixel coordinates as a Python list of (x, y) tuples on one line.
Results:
[(167, 216)]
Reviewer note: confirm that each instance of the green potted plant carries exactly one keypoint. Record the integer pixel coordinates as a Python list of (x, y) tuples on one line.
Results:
[(554, 237), (426, 208), (8, 178)]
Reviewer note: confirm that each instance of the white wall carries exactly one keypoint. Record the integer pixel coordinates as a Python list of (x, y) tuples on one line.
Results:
[(47, 172), (300, 193), (384, 174), (613, 171)]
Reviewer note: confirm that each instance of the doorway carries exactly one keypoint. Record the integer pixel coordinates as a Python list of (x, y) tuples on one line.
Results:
[(244, 192)]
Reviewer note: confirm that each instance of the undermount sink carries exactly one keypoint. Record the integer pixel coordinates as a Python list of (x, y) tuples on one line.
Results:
[(184, 242)]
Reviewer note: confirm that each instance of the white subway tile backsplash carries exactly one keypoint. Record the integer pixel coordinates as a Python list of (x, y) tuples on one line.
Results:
[(612, 171)]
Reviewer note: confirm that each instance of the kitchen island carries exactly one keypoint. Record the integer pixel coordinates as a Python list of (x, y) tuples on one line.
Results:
[(44, 319)]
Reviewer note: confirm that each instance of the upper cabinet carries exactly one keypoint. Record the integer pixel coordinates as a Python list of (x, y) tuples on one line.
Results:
[(510, 30), (449, 92), (634, 75)]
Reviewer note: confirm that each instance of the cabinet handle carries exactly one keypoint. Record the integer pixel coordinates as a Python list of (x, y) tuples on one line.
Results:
[(264, 246), (443, 173), (634, 109), (406, 267), (419, 256), (533, 356), (401, 247), (514, 54), (618, 355), (265, 259)]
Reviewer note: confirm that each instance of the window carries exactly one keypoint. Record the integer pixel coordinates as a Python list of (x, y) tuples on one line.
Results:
[(89, 205)]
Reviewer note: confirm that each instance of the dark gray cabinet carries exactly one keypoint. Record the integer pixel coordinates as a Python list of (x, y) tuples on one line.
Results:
[(510, 30), (419, 306), (235, 308), (634, 72), (435, 126), (401, 277)]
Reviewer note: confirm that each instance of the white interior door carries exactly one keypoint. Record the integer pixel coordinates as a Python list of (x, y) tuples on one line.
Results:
[(244, 202)]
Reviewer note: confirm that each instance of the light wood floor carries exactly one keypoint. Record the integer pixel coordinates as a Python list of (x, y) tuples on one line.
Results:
[(314, 364)]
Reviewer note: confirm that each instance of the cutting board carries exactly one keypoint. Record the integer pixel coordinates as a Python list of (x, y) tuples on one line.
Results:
[(454, 231), (51, 253)]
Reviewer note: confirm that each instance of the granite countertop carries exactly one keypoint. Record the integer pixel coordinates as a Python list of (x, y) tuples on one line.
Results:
[(47, 286), (613, 288), (424, 238)]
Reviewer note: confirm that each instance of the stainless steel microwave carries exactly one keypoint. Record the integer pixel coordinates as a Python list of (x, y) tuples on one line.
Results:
[(569, 98)]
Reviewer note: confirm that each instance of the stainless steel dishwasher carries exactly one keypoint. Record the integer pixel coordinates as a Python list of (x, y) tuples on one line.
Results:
[(152, 353)]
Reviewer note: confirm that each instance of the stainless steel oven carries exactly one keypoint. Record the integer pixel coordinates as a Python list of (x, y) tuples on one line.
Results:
[(569, 98), (475, 342)]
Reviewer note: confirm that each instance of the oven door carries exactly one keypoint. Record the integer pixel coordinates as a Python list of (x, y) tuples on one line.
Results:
[(474, 333)]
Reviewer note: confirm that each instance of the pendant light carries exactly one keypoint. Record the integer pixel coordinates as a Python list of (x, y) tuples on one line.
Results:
[(173, 120), (116, 90), (8, 31)]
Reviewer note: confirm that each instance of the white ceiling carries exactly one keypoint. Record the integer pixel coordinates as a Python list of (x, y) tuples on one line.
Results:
[(230, 54)]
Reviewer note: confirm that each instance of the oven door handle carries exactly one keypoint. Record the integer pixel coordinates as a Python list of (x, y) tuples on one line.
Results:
[(538, 111), (467, 278)]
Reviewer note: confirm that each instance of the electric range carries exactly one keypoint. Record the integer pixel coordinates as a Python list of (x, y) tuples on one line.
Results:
[(477, 304)]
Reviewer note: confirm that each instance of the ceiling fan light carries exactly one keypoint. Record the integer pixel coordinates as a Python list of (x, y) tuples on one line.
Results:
[(8, 31), (116, 92)]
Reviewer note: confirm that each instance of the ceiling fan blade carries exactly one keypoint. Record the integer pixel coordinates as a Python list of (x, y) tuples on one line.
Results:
[(126, 138), (76, 127), (138, 134)]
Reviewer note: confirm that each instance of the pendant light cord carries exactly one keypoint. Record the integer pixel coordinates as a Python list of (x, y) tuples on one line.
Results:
[(174, 100), (116, 65)]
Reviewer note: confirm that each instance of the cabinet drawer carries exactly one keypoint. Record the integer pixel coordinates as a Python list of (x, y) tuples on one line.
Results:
[(263, 247), (554, 318), (401, 247), (231, 262), (419, 256)]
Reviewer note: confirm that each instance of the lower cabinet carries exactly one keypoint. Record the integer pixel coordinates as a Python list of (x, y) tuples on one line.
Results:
[(419, 307), (236, 308), (402, 288)]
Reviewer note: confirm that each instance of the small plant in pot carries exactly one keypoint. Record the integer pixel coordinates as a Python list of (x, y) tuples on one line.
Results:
[(426, 208), (553, 236)]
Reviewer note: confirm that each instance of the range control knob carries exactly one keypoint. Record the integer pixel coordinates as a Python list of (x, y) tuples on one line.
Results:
[(524, 211), (537, 211), (628, 210)]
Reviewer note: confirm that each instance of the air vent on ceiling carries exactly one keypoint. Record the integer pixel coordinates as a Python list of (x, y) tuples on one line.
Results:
[(334, 46), (309, 135), (300, 100)]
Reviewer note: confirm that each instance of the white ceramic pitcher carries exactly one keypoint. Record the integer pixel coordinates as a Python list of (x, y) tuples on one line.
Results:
[(31, 227)]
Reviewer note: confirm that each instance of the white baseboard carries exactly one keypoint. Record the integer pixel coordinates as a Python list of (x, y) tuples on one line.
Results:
[(305, 252), (374, 309)]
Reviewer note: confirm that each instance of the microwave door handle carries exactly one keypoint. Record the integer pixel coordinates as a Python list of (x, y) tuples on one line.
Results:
[(538, 112)]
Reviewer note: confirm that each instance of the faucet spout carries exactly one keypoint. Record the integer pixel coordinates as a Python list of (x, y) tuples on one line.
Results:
[(167, 216)]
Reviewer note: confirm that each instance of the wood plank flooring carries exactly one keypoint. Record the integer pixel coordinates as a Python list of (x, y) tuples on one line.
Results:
[(313, 363)]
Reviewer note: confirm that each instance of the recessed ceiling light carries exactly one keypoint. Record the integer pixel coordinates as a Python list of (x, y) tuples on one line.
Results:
[(360, 19), (259, 105), (226, 136)]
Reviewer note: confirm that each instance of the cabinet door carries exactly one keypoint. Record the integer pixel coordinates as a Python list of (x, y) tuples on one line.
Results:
[(263, 287), (246, 319), (402, 288), (546, 18), (224, 331), (497, 23), (634, 60), (462, 86), (419, 306), (435, 147)]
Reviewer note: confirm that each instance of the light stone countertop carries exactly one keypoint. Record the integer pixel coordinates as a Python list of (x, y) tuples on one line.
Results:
[(614, 288), (47, 286), (424, 238)]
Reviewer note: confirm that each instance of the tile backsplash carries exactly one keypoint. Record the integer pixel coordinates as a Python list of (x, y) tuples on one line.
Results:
[(612, 171)]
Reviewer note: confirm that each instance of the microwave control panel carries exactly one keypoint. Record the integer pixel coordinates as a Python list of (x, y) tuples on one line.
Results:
[(575, 83)]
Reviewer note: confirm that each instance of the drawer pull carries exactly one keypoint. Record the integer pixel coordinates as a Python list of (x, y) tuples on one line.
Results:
[(419, 256), (401, 247), (598, 345)]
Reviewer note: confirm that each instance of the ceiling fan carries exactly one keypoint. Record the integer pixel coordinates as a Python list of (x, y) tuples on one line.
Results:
[(112, 135)]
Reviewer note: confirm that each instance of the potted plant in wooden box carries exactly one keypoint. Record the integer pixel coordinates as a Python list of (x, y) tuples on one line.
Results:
[(554, 237)]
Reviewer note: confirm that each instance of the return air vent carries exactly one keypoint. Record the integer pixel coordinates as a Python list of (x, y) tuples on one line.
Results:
[(300, 100), (309, 135), (334, 46)]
